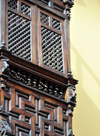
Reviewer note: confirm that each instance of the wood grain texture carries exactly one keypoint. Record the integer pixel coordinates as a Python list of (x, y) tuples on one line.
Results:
[(37, 89)]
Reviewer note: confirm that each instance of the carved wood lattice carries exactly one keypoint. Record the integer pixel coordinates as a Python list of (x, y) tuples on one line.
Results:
[(51, 43), (44, 18), (52, 49), (19, 33), (25, 9), (56, 24), (12, 4)]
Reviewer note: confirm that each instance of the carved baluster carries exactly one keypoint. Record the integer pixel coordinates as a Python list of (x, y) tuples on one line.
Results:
[(51, 89), (40, 87), (29, 83), (35, 82), (9, 72), (13, 73), (61, 93), (23, 77), (56, 91), (45, 86), (18, 75)]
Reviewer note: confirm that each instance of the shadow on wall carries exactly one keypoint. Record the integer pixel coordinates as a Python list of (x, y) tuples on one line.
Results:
[(80, 2), (86, 121)]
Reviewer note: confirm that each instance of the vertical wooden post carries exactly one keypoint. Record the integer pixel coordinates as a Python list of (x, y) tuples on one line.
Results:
[(2, 21)]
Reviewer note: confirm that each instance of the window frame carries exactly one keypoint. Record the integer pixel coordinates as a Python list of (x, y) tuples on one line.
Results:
[(36, 50)]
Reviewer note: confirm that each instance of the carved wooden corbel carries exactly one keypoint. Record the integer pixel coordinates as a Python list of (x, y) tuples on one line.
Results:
[(71, 92), (4, 64)]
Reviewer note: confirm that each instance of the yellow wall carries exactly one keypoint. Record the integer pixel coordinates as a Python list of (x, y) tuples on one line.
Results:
[(85, 63)]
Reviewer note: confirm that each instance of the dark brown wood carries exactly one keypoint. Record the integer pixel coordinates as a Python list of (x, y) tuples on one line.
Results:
[(37, 89)]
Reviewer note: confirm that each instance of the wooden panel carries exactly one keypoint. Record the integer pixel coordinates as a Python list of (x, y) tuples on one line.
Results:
[(30, 114)]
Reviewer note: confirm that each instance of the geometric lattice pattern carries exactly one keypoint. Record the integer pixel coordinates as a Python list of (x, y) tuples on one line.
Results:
[(30, 115), (19, 36), (44, 18), (25, 9), (56, 24), (12, 4), (52, 49)]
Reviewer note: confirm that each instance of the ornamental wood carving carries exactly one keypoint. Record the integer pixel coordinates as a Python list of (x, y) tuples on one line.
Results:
[(37, 88)]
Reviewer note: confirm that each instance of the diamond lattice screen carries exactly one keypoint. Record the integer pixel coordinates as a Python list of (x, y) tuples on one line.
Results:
[(56, 24), (12, 4), (25, 9), (19, 36), (44, 18), (52, 49)]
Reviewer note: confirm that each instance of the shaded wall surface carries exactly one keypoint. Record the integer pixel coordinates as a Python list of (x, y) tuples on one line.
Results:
[(85, 63)]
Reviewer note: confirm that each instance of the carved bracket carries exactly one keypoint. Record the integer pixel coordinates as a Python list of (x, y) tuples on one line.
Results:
[(4, 64), (72, 92), (71, 95), (69, 4)]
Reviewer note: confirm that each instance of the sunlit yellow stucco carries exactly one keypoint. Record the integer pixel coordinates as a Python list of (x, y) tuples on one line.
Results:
[(85, 63)]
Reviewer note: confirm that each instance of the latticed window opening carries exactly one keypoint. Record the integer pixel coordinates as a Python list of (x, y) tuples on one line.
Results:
[(52, 49), (25, 9), (12, 4), (56, 24), (19, 35), (51, 42), (44, 18)]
